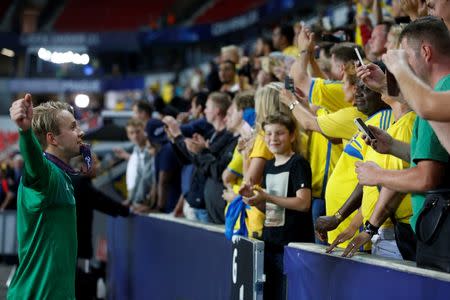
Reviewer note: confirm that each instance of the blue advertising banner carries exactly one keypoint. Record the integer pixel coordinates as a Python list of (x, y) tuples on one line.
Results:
[(312, 274), (152, 258), (100, 41), (83, 85), (54, 85)]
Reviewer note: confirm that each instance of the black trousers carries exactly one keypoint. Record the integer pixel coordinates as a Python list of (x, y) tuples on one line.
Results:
[(275, 285), (85, 285), (406, 240)]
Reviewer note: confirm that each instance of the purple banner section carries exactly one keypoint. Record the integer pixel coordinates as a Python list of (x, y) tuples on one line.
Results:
[(311, 274), (151, 258)]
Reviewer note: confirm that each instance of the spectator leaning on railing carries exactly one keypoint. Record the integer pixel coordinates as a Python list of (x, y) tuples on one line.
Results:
[(167, 168), (384, 244), (343, 184), (210, 157), (240, 118), (426, 42), (138, 173)]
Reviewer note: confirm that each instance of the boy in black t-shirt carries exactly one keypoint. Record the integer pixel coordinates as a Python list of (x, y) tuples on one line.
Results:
[(286, 200)]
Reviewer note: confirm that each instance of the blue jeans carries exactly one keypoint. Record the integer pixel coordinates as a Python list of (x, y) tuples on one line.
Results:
[(317, 210), (384, 244), (202, 215)]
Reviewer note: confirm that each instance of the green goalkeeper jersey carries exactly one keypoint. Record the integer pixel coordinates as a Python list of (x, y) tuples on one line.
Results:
[(46, 228)]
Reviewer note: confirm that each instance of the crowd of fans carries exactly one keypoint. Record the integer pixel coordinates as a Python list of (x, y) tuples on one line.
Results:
[(293, 153)]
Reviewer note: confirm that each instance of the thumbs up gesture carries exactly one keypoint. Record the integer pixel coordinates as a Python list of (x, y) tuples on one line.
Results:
[(21, 112)]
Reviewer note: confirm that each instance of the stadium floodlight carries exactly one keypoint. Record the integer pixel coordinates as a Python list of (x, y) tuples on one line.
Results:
[(84, 59), (82, 100), (8, 52), (63, 57), (44, 54)]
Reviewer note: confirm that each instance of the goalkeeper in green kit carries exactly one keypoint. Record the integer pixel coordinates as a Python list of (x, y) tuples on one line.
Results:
[(46, 217)]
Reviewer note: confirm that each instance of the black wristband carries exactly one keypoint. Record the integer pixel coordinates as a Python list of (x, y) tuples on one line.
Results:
[(370, 229)]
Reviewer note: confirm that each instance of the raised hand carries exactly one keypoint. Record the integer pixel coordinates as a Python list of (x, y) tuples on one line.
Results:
[(305, 40), (172, 127), (414, 8), (372, 76), (395, 59), (286, 97), (21, 112)]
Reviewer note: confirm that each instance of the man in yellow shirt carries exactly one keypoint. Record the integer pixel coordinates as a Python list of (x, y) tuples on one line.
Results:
[(323, 153), (321, 92), (343, 181), (384, 243)]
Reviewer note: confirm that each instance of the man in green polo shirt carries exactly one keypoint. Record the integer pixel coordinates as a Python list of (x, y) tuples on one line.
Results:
[(426, 42), (46, 219)]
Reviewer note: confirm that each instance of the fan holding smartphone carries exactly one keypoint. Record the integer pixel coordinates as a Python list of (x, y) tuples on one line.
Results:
[(289, 85), (364, 129)]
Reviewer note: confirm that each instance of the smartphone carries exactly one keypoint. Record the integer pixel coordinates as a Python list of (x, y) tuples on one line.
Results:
[(359, 57), (317, 53), (265, 64), (289, 84), (364, 129), (392, 84)]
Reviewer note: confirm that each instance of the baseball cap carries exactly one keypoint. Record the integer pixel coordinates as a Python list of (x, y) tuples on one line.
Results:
[(155, 132)]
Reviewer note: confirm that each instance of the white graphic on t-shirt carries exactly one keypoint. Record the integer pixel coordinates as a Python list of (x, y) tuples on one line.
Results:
[(277, 185)]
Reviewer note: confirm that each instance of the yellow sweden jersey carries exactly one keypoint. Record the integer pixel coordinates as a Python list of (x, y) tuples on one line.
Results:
[(290, 51), (402, 131), (236, 164), (328, 94), (260, 148), (343, 180), (255, 218), (323, 156), (339, 124)]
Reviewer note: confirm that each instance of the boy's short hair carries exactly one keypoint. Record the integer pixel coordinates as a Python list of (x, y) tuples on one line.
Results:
[(281, 119), (244, 100), (133, 122), (291, 125), (45, 119)]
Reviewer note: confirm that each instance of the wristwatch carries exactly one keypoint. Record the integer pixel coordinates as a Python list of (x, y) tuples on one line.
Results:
[(293, 104), (370, 229), (302, 52)]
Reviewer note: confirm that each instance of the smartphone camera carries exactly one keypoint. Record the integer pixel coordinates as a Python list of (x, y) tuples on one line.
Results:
[(289, 84)]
